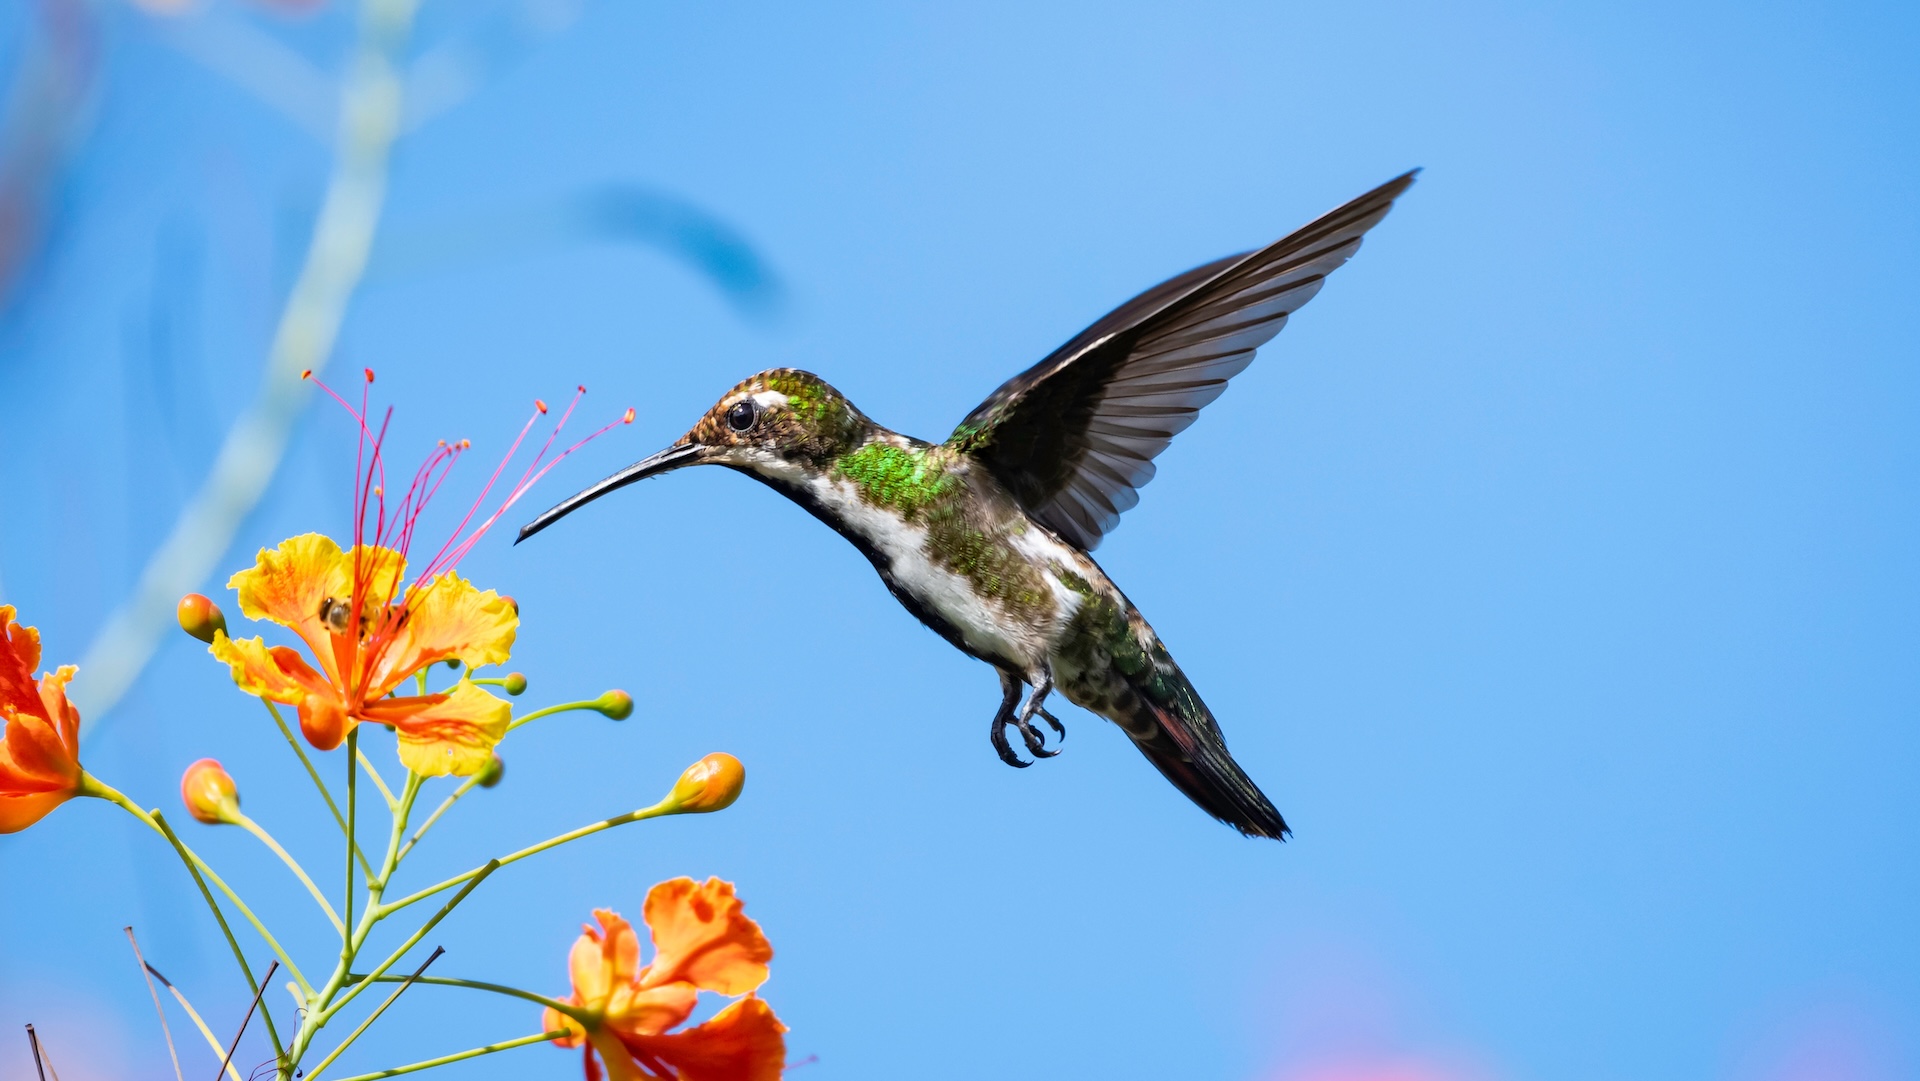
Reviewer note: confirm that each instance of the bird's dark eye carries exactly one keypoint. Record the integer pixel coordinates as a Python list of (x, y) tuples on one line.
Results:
[(742, 416)]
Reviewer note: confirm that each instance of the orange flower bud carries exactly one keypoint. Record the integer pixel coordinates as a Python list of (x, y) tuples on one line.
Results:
[(209, 793), (201, 617), (615, 704), (711, 784)]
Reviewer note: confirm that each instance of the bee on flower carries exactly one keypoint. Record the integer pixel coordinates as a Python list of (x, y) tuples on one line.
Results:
[(371, 621)]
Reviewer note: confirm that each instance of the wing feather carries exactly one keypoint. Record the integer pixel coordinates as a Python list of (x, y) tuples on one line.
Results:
[(1074, 437)]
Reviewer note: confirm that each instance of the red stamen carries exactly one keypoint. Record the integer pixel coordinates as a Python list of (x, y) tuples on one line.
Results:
[(358, 653)]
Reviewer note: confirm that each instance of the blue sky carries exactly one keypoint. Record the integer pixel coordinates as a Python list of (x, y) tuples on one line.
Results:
[(1553, 571)]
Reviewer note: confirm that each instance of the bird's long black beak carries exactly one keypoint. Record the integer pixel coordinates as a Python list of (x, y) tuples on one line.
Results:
[(651, 466)]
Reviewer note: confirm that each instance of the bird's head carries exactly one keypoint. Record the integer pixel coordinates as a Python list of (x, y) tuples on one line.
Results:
[(781, 424)]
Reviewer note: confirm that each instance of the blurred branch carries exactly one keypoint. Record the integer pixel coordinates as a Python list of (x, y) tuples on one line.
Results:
[(447, 74), (370, 108), (621, 213), (258, 63)]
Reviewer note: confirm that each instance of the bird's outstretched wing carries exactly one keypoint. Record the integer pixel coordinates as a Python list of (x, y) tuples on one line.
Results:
[(1074, 436)]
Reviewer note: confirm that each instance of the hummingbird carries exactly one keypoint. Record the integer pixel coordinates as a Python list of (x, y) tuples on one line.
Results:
[(987, 538)]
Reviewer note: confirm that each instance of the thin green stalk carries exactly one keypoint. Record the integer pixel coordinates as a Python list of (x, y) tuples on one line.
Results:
[(591, 703), (554, 1004), (445, 805), (412, 940), (353, 842), (443, 1060), (221, 885), (93, 786), (378, 781), (314, 775), (323, 1006), (194, 868), (314, 1074), (213, 1042), (664, 807), (293, 865), (403, 813)]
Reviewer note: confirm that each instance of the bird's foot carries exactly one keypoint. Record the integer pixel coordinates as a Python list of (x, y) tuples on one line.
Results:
[(1022, 718), (1036, 742), (1002, 747)]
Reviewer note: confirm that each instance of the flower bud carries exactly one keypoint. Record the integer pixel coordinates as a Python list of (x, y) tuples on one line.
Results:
[(209, 793), (201, 617), (615, 704), (515, 684), (711, 784), (496, 768)]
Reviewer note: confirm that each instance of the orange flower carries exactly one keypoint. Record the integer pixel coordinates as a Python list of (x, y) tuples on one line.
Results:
[(368, 631), (369, 637), (702, 941), (40, 745)]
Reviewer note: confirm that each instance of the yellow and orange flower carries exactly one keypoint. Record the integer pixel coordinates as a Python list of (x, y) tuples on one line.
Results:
[(368, 636), (40, 746), (702, 941), (367, 630)]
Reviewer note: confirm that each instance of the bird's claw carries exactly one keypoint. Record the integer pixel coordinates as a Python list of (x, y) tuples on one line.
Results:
[(1022, 719), (1036, 743), (1059, 730), (1004, 748)]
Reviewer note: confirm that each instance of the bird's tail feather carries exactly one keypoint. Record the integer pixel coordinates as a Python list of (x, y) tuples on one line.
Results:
[(1185, 745)]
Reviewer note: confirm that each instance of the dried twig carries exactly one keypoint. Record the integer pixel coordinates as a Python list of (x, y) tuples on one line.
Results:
[(157, 1008), (34, 1042), (245, 1020)]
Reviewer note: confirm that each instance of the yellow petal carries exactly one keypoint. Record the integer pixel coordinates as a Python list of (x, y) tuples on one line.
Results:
[(279, 673), (603, 959), (440, 734), (447, 618), (290, 584)]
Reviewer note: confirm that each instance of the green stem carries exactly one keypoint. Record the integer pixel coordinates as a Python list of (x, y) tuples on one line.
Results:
[(664, 807), (92, 786), (378, 781), (591, 703), (445, 804), (372, 1017), (322, 1006), (314, 774), (353, 841), (293, 865), (554, 1004), (445, 1059), (412, 940)]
